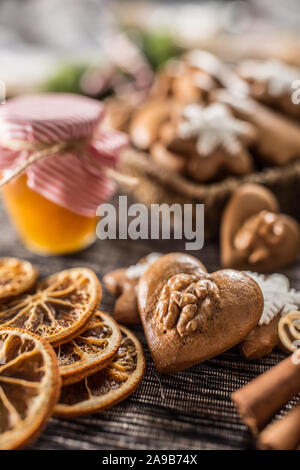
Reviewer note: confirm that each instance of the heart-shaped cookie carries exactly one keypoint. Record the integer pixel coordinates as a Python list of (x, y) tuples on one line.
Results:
[(254, 235), (189, 315)]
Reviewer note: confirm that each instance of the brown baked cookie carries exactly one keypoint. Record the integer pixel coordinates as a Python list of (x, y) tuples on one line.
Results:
[(146, 121), (278, 137), (279, 299), (254, 235), (210, 139), (189, 315), (173, 162), (123, 283), (118, 112), (270, 81), (183, 82), (175, 85), (225, 77), (260, 341)]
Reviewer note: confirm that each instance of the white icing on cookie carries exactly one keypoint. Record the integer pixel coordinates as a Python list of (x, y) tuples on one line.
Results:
[(137, 270), (214, 66), (205, 61), (279, 298), (214, 126), (278, 75)]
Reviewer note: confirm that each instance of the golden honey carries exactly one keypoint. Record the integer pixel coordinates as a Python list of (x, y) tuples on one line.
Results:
[(46, 228)]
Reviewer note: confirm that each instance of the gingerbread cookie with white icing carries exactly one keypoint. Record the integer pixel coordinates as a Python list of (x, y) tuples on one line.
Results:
[(177, 83), (123, 283), (205, 62), (182, 82), (279, 300), (189, 79), (278, 136), (254, 235), (206, 142), (271, 82)]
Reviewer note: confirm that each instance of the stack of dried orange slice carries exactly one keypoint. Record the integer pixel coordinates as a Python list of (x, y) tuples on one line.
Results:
[(94, 364)]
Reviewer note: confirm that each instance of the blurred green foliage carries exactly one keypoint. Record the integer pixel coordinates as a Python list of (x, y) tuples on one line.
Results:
[(157, 46), (66, 79)]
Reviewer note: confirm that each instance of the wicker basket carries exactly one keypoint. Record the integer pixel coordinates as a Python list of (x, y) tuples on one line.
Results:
[(157, 186)]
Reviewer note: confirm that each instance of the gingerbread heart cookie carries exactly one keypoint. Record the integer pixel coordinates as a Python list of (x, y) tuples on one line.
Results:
[(254, 235), (189, 315)]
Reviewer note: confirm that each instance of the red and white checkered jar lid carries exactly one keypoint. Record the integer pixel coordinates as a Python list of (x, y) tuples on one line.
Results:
[(78, 184)]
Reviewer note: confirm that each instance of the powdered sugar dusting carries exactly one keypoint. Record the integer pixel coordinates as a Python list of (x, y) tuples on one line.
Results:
[(137, 270), (214, 126), (279, 298)]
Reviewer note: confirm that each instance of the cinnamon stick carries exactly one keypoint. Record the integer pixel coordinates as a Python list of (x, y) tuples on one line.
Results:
[(282, 434), (259, 400)]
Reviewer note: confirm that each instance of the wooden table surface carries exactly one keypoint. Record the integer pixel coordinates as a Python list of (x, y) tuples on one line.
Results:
[(188, 410)]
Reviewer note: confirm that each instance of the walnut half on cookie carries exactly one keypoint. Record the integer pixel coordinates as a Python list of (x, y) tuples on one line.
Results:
[(185, 301)]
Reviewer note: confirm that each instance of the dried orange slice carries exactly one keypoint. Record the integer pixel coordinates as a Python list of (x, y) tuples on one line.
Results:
[(60, 308), (108, 386), (16, 276), (29, 386), (93, 350)]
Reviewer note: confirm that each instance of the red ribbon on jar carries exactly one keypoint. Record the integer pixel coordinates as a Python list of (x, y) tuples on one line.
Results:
[(55, 139)]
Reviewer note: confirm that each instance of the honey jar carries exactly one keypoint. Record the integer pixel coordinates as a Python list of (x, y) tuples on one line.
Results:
[(54, 169)]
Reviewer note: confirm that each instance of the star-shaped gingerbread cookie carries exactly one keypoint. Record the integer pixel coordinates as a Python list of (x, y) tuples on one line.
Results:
[(211, 141)]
